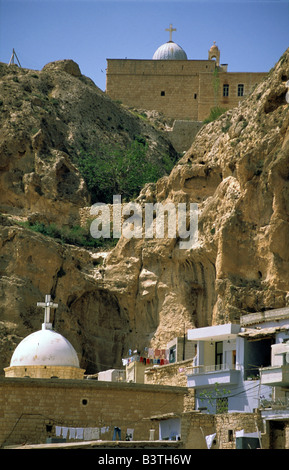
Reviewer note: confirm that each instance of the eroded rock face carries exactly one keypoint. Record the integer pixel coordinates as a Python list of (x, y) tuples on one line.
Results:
[(237, 172), (48, 117), (147, 291)]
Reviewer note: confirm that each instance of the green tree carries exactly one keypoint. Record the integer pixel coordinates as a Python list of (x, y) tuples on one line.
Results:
[(114, 170), (216, 398)]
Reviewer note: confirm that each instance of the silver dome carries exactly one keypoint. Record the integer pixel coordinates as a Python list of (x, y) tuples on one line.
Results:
[(170, 51)]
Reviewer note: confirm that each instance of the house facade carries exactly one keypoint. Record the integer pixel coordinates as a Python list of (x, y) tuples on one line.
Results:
[(237, 378), (244, 363), (244, 368), (225, 372), (273, 326)]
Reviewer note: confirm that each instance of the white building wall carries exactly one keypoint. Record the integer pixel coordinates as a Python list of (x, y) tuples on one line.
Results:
[(243, 396)]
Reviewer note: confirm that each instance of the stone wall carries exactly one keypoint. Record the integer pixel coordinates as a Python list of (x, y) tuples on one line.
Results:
[(196, 426), (170, 374), (183, 134), (179, 89), (170, 87), (45, 372), (174, 375), (228, 423), (30, 409), (276, 432), (211, 90)]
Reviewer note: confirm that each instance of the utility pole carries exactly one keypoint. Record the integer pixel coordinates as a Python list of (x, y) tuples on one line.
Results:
[(184, 345)]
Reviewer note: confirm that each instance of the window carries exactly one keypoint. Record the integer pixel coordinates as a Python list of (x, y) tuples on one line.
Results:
[(240, 89), (172, 354), (195, 96), (225, 90), (230, 435), (234, 360), (219, 355), (49, 428), (163, 93), (222, 405)]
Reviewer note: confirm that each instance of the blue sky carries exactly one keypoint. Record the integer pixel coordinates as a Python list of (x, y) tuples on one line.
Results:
[(251, 34)]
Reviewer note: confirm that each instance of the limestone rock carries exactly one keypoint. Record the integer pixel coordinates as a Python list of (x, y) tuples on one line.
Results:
[(145, 292), (48, 117), (69, 66)]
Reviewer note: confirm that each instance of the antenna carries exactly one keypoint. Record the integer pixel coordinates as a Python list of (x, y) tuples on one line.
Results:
[(12, 60)]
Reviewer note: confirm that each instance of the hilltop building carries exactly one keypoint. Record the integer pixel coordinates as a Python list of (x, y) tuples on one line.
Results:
[(178, 87)]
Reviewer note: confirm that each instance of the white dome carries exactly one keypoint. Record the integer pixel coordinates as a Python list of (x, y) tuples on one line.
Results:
[(170, 51), (45, 347)]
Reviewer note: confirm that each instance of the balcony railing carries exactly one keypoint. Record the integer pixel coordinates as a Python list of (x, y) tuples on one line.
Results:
[(211, 368), (278, 403), (209, 375)]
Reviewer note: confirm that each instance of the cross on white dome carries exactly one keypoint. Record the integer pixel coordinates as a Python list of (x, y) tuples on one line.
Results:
[(47, 305), (171, 29)]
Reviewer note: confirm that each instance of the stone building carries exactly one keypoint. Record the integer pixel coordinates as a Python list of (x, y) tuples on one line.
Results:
[(45, 398), (178, 87)]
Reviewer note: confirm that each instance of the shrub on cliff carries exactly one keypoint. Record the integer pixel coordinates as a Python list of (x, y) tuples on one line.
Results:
[(114, 170), (215, 113)]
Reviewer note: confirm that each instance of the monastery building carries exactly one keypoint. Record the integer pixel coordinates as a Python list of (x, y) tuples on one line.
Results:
[(178, 87)]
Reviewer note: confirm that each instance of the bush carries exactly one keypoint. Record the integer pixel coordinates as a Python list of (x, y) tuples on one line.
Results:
[(215, 113), (114, 170), (78, 236)]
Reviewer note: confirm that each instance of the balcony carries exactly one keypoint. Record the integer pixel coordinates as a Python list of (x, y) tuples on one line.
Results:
[(275, 376), (274, 409), (206, 376)]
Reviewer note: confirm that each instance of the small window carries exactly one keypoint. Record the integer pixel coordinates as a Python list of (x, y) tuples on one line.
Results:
[(49, 428), (172, 354), (234, 358), (240, 89), (222, 405), (226, 90), (230, 435), (163, 93), (195, 96)]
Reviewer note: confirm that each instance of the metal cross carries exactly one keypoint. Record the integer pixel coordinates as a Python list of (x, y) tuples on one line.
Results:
[(47, 305), (171, 29)]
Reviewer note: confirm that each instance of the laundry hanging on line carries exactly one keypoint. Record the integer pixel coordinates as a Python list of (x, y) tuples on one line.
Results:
[(85, 434)]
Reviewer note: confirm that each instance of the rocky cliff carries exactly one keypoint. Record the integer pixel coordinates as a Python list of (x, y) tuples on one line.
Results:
[(144, 292)]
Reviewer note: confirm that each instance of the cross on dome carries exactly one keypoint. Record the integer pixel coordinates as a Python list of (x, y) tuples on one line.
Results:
[(171, 29), (47, 305)]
